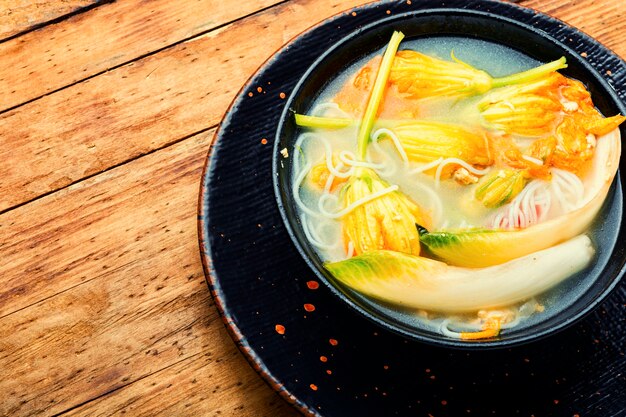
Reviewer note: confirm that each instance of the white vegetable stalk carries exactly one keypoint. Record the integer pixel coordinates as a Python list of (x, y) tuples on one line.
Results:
[(423, 283)]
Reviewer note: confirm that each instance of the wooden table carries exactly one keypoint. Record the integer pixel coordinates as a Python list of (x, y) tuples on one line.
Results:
[(107, 111)]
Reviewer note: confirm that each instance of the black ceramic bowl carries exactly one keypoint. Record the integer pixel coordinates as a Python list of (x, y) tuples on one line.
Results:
[(586, 290)]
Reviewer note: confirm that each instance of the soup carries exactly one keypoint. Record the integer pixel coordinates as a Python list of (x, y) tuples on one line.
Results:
[(453, 195)]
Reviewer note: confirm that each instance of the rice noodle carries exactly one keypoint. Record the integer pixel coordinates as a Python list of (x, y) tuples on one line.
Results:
[(354, 205), (349, 159), (314, 239), (529, 207), (391, 167), (322, 109), (396, 141), (461, 162), (532, 159), (445, 330), (295, 190), (574, 187), (315, 233), (328, 154), (519, 313), (426, 167)]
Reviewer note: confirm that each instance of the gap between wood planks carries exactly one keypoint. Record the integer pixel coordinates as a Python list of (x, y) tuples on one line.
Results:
[(137, 324), (140, 56), (95, 174), (129, 161), (111, 391), (12, 34), (74, 133)]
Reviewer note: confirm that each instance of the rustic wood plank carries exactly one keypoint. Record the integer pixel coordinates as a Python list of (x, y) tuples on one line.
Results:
[(43, 61), (17, 16), (77, 132), (132, 296), (201, 385), (131, 301), (54, 244), (604, 20)]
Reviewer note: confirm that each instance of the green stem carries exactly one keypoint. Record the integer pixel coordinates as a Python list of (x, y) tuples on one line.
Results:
[(531, 74), (331, 123), (377, 94), (303, 120)]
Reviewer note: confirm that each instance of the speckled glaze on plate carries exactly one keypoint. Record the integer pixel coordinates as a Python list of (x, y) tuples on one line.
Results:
[(318, 352)]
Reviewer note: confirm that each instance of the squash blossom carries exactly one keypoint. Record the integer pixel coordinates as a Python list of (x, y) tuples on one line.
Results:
[(386, 222), (418, 76), (537, 108), (529, 109), (555, 109), (427, 141), (499, 188)]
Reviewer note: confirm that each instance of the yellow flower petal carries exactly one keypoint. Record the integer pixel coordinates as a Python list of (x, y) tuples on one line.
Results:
[(387, 222)]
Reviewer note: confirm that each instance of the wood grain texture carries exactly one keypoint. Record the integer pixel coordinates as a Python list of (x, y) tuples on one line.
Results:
[(17, 16), (604, 20), (103, 305), (122, 293), (204, 385), (78, 132), (57, 55)]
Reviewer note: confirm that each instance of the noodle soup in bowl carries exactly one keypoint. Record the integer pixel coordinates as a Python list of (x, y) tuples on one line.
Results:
[(451, 175)]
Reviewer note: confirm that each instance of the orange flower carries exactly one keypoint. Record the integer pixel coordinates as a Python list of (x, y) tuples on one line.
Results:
[(427, 141), (420, 76), (386, 222), (530, 109)]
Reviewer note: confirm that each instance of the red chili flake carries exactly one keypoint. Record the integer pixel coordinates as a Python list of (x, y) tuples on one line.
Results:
[(432, 377), (576, 415), (385, 367), (323, 358), (427, 370), (309, 307), (444, 402), (280, 329), (328, 371), (282, 95), (313, 387), (556, 402), (259, 89), (333, 342), (250, 94), (526, 360), (263, 141), (313, 285)]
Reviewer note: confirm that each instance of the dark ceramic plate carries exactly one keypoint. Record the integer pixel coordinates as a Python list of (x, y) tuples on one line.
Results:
[(318, 350)]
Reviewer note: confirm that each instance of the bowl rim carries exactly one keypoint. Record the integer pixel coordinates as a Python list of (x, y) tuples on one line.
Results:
[(323, 275)]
